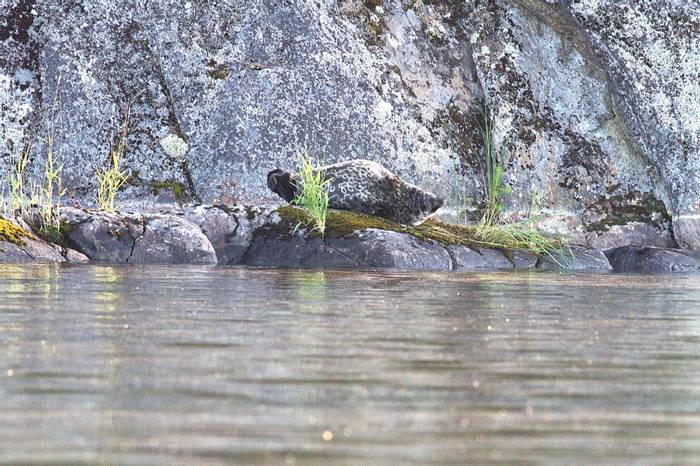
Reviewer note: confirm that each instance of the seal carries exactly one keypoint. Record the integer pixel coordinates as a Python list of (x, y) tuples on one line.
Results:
[(367, 187)]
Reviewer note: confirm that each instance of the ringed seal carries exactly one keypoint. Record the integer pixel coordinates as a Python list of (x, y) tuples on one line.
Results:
[(367, 187)]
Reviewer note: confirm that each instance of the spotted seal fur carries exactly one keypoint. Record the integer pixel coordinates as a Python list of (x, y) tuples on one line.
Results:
[(367, 187)]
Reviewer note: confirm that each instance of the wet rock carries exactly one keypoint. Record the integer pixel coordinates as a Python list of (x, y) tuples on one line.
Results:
[(297, 252), (101, 236), (29, 247), (12, 253), (524, 259), (654, 260), (168, 239), (389, 249), (364, 249), (136, 238), (465, 258), (686, 229), (74, 257), (577, 258), (229, 228)]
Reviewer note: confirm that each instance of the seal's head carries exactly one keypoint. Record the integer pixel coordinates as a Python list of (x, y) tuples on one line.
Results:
[(428, 205), (280, 183)]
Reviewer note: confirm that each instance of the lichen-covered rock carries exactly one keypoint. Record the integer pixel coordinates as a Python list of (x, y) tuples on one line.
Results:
[(653, 260), (25, 246), (595, 101)]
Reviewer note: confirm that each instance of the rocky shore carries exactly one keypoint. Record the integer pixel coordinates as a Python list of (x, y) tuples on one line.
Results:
[(267, 237)]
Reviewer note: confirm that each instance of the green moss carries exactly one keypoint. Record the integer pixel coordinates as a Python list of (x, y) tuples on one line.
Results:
[(51, 233), (13, 233), (506, 238), (178, 189), (342, 223)]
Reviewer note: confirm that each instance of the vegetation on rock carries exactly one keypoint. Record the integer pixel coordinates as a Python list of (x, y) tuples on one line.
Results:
[(313, 197), (506, 238), (492, 170), (13, 233), (109, 180)]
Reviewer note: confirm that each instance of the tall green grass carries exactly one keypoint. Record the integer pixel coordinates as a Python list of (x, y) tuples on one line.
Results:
[(313, 197), (521, 235), (50, 193), (492, 171), (16, 180)]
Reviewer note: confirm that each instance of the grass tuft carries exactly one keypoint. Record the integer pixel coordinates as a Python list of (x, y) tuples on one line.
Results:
[(111, 179), (314, 195), (17, 181), (493, 171), (49, 196)]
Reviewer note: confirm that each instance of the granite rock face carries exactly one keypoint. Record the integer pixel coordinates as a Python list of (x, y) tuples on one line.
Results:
[(595, 101)]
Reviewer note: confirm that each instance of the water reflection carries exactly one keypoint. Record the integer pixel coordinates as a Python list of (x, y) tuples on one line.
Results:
[(163, 365)]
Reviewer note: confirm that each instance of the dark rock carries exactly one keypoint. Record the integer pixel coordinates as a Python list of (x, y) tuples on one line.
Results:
[(390, 249), (168, 239), (524, 259), (101, 236), (364, 249), (228, 228), (295, 252), (135, 238), (578, 258), (465, 258), (653, 260)]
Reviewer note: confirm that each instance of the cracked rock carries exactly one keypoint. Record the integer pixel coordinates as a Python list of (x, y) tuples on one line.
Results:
[(101, 236)]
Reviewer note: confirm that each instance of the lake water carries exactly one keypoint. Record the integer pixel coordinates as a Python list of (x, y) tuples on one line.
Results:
[(211, 365)]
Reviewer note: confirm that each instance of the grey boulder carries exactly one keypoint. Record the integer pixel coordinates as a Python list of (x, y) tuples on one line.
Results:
[(654, 260), (135, 238)]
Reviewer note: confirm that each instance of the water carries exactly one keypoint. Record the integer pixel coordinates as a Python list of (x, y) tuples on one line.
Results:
[(211, 365)]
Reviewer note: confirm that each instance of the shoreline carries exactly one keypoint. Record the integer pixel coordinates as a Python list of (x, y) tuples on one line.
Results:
[(266, 236)]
